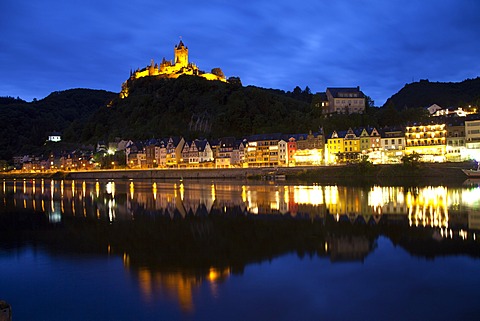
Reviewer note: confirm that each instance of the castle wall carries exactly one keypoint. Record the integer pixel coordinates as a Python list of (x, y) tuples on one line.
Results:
[(180, 66)]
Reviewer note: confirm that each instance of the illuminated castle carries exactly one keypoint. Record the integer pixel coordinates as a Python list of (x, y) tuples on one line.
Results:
[(168, 69)]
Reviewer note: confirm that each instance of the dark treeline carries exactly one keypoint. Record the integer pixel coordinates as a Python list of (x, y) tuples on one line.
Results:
[(445, 94), (24, 127), (195, 108)]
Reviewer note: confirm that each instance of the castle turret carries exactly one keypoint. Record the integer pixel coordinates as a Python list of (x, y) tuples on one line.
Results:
[(181, 55)]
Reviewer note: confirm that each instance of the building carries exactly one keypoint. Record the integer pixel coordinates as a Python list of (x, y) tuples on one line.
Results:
[(456, 150), (291, 150), (262, 150), (352, 147), (174, 149), (197, 153), (306, 149), (223, 158), (54, 137), (172, 69), (345, 101), (472, 138), (392, 144), (427, 140), (282, 153), (335, 146)]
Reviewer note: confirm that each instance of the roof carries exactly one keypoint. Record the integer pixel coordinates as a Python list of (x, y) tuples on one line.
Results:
[(261, 137), (227, 141), (337, 92), (180, 44), (304, 136), (201, 144)]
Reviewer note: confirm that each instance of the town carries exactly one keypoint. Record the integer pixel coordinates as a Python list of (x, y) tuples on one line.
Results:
[(455, 141), (451, 135)]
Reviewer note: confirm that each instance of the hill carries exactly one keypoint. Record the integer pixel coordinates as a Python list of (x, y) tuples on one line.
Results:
[(194, 107), (24, 127), (446, 94)]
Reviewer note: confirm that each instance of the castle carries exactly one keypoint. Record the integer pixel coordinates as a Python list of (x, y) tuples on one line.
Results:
[(168, 69)]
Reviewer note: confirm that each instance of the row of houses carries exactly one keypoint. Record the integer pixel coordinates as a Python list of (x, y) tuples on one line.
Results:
[(434, 142), (437, 142), (74, 160)]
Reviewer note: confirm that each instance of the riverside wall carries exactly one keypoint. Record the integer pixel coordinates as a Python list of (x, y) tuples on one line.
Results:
[(442, 172), (231, 173)]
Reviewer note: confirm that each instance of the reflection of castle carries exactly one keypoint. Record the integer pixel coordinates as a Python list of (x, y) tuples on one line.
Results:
[(168, 69), (177, 285)]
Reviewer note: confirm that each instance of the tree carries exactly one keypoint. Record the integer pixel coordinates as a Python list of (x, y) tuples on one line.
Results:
[(235, 81), (218, 72), (411, 160), (369, 102)]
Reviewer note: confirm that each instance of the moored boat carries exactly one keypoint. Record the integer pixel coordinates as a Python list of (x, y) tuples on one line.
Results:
[(472, 172)]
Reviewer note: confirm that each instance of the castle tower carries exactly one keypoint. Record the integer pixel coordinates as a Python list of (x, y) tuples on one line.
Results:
[(181, 55)]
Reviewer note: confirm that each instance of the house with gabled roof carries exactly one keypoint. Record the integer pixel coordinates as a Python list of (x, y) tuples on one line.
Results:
[(197, 153), (335, 145), (343, 146), (223, 157), (174, 149)]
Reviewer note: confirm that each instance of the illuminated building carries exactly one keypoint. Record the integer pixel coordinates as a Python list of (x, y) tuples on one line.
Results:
[(369, 139), (306, 149), (351, 147), (392, 145), (230, 153), (472, 138), (370, 143), (197, 153), (335, 146), (429, 141), (262, 150), (291, 150), (174, 149), (54, 137), (456, 143), (151, 154), (282, 153), (168, 69), (345, 101)]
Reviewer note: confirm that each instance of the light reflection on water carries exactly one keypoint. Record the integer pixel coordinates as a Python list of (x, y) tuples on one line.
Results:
[(451, 213), (119, 200)]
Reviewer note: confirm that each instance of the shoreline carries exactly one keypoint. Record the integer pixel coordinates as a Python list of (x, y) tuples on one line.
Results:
[(424, 173)]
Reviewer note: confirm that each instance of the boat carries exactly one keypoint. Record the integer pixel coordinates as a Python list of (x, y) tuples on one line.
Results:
[(472, 172)]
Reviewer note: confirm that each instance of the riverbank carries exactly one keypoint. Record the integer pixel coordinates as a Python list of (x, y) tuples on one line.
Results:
[(441, 173)]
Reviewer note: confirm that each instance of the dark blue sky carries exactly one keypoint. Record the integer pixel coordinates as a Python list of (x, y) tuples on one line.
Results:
[(52, 45)]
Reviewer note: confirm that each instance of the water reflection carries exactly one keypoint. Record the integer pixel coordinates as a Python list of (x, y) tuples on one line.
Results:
[(434, 206), (178, 286), (172, 260)]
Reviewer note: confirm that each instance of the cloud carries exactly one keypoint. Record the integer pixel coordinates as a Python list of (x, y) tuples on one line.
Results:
[(380, 46)]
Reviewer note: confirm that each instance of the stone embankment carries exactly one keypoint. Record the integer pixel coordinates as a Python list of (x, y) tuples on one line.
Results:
[(442, 172), (231, 173)]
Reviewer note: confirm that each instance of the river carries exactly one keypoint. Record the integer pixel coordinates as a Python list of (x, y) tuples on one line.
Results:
[(238, 250)]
